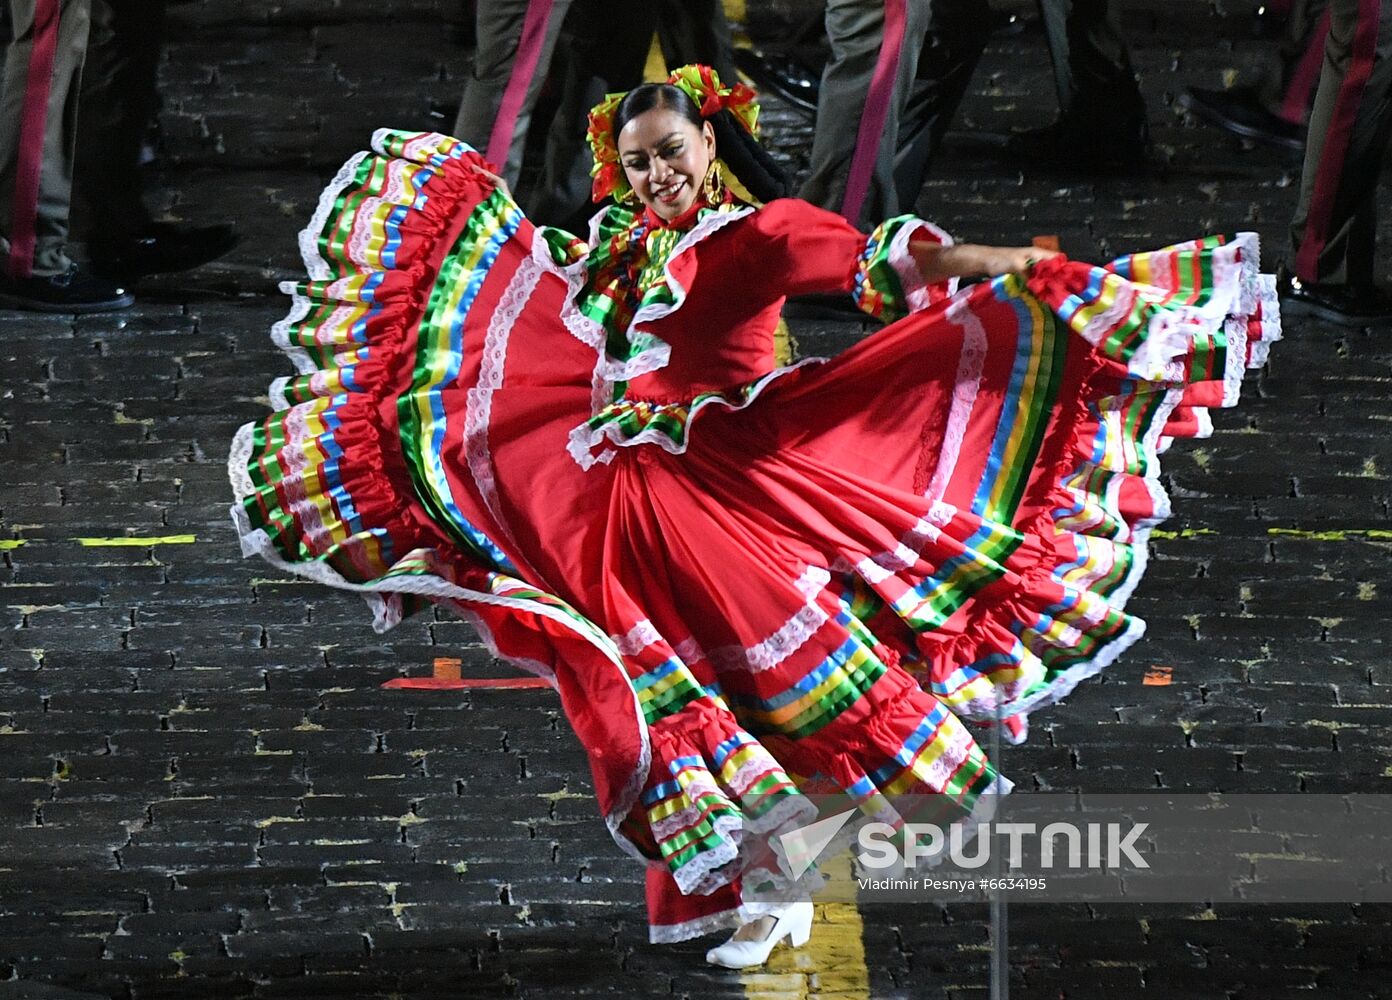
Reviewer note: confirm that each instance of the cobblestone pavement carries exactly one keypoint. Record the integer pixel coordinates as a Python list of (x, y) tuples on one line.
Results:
[(205, 791)]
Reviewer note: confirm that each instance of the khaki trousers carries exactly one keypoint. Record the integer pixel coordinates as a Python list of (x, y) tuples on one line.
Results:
[(1335, 223), (38, 132)]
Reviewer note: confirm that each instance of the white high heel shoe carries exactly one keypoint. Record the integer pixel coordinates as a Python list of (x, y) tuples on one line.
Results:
[(794, 922)]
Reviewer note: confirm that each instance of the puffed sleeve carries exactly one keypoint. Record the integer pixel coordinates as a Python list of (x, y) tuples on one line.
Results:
[(809, 250)]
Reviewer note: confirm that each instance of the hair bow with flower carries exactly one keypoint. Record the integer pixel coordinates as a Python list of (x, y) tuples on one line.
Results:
[(701, 84)]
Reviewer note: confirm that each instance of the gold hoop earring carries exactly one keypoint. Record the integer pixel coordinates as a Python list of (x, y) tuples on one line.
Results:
[(714, 183), (629, 197)]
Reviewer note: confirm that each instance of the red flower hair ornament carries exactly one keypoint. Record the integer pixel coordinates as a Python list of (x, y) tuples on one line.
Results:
[(701, 84)]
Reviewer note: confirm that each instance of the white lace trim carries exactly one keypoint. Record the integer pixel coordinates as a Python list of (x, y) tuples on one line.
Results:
[(492, 361), (1064, 683), (1248, 247), (1270, 324), (1170, 332), (658, 354), (776, 648), (581, 327), (649, 359), (761, 762), (741, 836), (689, 651), (637, 639), (1165, 271), (300, 307), (315, 264), (703, 874), (705, 228), (781, 644), (1259, 290), (970, 365), (918, 293), (697, 926), (583, 438), (880, 567), (813, 580)]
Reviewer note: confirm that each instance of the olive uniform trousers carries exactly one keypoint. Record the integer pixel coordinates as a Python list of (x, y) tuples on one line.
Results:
[(899, 70), (79, 89), (1334, 227), (38, 132)]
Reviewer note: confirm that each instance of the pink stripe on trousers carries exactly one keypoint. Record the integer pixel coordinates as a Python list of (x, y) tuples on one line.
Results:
[(1302, 83), (524, 66), (877, 101), (33, 125)]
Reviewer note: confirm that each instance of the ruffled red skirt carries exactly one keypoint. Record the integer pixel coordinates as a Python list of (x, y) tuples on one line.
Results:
[(830, 571)]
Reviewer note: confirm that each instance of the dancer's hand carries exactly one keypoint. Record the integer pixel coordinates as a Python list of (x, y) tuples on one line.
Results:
[(498, 182)]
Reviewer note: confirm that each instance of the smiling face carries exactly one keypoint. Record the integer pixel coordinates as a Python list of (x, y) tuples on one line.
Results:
[(665, 158)]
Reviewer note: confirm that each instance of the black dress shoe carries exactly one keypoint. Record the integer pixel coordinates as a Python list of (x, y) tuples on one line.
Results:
[(74, 291), (783, 75), (1084, 142), (1354, 306), (161, 248), (1242, 113)]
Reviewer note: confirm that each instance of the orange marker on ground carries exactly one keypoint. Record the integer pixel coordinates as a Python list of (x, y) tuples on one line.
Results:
[(1158, 676)]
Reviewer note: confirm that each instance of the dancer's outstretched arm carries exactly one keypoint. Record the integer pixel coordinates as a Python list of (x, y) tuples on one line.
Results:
[(963, 260)]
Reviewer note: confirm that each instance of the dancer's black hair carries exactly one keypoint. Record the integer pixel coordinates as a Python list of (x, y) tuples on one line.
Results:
[(742, 153)]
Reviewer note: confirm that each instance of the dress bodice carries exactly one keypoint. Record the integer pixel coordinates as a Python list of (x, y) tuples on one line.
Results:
[(732, 284), (723, 334), (690, 313)]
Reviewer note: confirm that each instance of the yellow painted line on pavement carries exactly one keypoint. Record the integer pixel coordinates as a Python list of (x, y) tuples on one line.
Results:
[(6, 544), (830, 966), (135, 541), (1339, 535), (1330, 535)]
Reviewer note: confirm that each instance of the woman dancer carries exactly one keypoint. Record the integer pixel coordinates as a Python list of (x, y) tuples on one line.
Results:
[(743, 581)]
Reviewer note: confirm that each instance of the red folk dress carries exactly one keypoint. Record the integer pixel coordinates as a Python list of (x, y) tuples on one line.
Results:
[(739, 578)]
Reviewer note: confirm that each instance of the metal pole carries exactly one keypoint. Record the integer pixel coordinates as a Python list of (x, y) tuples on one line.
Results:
[(1000, 950)]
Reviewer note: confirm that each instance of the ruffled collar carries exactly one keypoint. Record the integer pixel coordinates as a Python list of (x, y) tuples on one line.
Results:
[(682, 223), (638, 241), (628, 280)]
